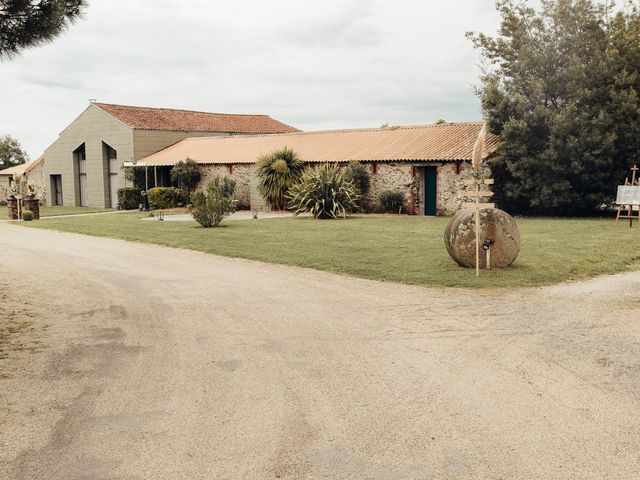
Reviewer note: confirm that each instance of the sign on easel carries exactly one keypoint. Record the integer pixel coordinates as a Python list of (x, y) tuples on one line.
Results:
[(628, 198), (628, 195)]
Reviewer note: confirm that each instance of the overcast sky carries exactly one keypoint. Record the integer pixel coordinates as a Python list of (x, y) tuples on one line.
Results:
[(314, 65)]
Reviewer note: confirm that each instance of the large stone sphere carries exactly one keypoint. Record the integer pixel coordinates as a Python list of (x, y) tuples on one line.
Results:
[(495, 225)]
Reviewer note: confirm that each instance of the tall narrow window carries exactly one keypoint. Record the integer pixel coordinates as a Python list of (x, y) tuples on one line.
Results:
[(56, 189), (80, 157), (111, 159)]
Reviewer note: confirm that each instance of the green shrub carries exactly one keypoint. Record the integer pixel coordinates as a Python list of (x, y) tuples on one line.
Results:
[(129, 198), (165, 197), (27, 215), (391, 201), (359, 175), (325, 192), (277, 172), (209, 207)]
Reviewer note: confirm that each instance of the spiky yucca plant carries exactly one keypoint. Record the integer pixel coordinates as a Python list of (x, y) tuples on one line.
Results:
[(277, 172), (325, 192)]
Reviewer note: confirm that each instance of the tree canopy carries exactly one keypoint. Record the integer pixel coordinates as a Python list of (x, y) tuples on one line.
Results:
[(25, 23), (11, 152), (561, 87), (186, 174)]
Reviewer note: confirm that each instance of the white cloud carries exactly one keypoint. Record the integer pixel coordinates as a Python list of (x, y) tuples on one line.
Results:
[(330, 64)]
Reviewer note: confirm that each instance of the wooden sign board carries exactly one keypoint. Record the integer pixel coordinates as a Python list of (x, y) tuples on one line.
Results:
[(628, 199), (478, 194), (471, 181), (628, 195), (479, 205)]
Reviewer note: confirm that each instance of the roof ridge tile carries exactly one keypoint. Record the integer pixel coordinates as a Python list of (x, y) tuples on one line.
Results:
[(169, 119), (98, 104)]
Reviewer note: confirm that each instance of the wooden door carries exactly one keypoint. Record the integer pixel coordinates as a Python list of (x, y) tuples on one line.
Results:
[(430, 191)]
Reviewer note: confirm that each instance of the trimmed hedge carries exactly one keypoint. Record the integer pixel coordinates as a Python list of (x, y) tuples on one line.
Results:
[(129, 198), (391, 201), (27, 215), (165, 197)]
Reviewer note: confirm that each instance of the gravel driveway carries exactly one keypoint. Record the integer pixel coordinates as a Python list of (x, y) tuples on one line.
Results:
[(161, 363)]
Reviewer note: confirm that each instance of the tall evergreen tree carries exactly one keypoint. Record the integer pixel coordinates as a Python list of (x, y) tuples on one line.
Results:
[(25, 23), (560, 87)]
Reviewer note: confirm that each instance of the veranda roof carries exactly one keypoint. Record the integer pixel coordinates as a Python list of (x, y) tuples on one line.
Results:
[(23, 168)]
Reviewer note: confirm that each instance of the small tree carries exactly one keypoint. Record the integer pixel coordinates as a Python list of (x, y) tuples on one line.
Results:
[(325, 192), (277, 172), (27, 23), (211, 206), (358, 174), (186, 174), (11, 152)]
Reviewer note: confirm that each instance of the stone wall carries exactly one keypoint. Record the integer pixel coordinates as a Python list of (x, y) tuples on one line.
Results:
[(239, 172), (12, 207), (30, 204), (35, 177), (408, 178), (449, 199), (33, 205), (390, 176), (399, 176), (4, 187)]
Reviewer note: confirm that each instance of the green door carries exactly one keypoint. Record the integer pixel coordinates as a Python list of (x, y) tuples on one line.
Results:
[(430, 190)]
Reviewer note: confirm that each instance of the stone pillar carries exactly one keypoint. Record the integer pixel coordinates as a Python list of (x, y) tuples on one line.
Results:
[(33, 205), (411, 194), (411, 201), (12, 204)]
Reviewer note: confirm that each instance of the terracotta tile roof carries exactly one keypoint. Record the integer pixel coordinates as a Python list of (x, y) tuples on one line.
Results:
[(443, 142), (23, 168), (144, 118)]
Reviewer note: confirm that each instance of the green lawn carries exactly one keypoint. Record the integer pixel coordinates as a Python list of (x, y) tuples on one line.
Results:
[(46, 211), (399, 249)]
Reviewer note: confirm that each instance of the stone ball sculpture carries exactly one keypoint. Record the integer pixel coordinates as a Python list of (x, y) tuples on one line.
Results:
[(496, 226)]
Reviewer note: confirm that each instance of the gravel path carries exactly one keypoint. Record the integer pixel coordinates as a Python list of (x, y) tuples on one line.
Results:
[(161, 363)]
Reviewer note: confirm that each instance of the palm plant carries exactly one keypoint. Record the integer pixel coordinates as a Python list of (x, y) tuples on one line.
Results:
[(277, 172), (325, 192)]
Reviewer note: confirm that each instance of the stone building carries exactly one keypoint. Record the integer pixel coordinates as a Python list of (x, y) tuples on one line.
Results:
[(422, 161), (34, 173), (84, 165)]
